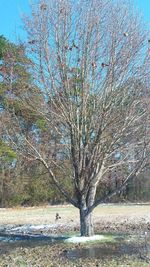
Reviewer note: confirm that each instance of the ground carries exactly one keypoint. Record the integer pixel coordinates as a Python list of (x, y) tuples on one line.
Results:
[(107, 218), (125, 219)]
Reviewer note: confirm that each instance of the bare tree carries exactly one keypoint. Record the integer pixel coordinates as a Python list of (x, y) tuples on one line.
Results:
[(91, 65)]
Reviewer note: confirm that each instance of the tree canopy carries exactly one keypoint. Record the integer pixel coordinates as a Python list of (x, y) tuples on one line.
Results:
[(85, 96)]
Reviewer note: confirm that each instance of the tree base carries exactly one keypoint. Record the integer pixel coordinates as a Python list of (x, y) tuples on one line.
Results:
[(86, 225)]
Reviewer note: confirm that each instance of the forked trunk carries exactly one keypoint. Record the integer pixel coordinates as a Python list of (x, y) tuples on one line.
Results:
[(86, 225)]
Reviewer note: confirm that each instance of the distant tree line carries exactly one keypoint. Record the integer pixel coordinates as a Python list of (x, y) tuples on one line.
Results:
[(27, 185)]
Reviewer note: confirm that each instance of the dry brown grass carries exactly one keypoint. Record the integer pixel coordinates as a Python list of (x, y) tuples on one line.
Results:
[(69, 214)]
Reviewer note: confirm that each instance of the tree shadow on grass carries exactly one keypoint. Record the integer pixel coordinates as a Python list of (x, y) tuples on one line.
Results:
[(9, 242)]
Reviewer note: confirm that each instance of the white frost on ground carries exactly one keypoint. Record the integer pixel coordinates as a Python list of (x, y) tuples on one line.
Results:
[(82, 239), (32, 228)]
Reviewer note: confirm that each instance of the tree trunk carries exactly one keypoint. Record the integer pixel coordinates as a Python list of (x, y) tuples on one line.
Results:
[(86, 225), (2, 187)]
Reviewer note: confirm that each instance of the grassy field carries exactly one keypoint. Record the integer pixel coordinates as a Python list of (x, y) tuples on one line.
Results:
[(107, 218), (46, 214)]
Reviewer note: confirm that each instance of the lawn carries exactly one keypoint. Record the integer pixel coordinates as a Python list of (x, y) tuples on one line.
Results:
[(46, 214)]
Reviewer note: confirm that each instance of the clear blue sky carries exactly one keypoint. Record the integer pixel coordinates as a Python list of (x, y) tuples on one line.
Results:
[(10, 17), (11, 11)]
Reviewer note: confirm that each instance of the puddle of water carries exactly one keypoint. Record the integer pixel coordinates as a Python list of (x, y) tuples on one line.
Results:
[(101, 252), (123, 245)]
